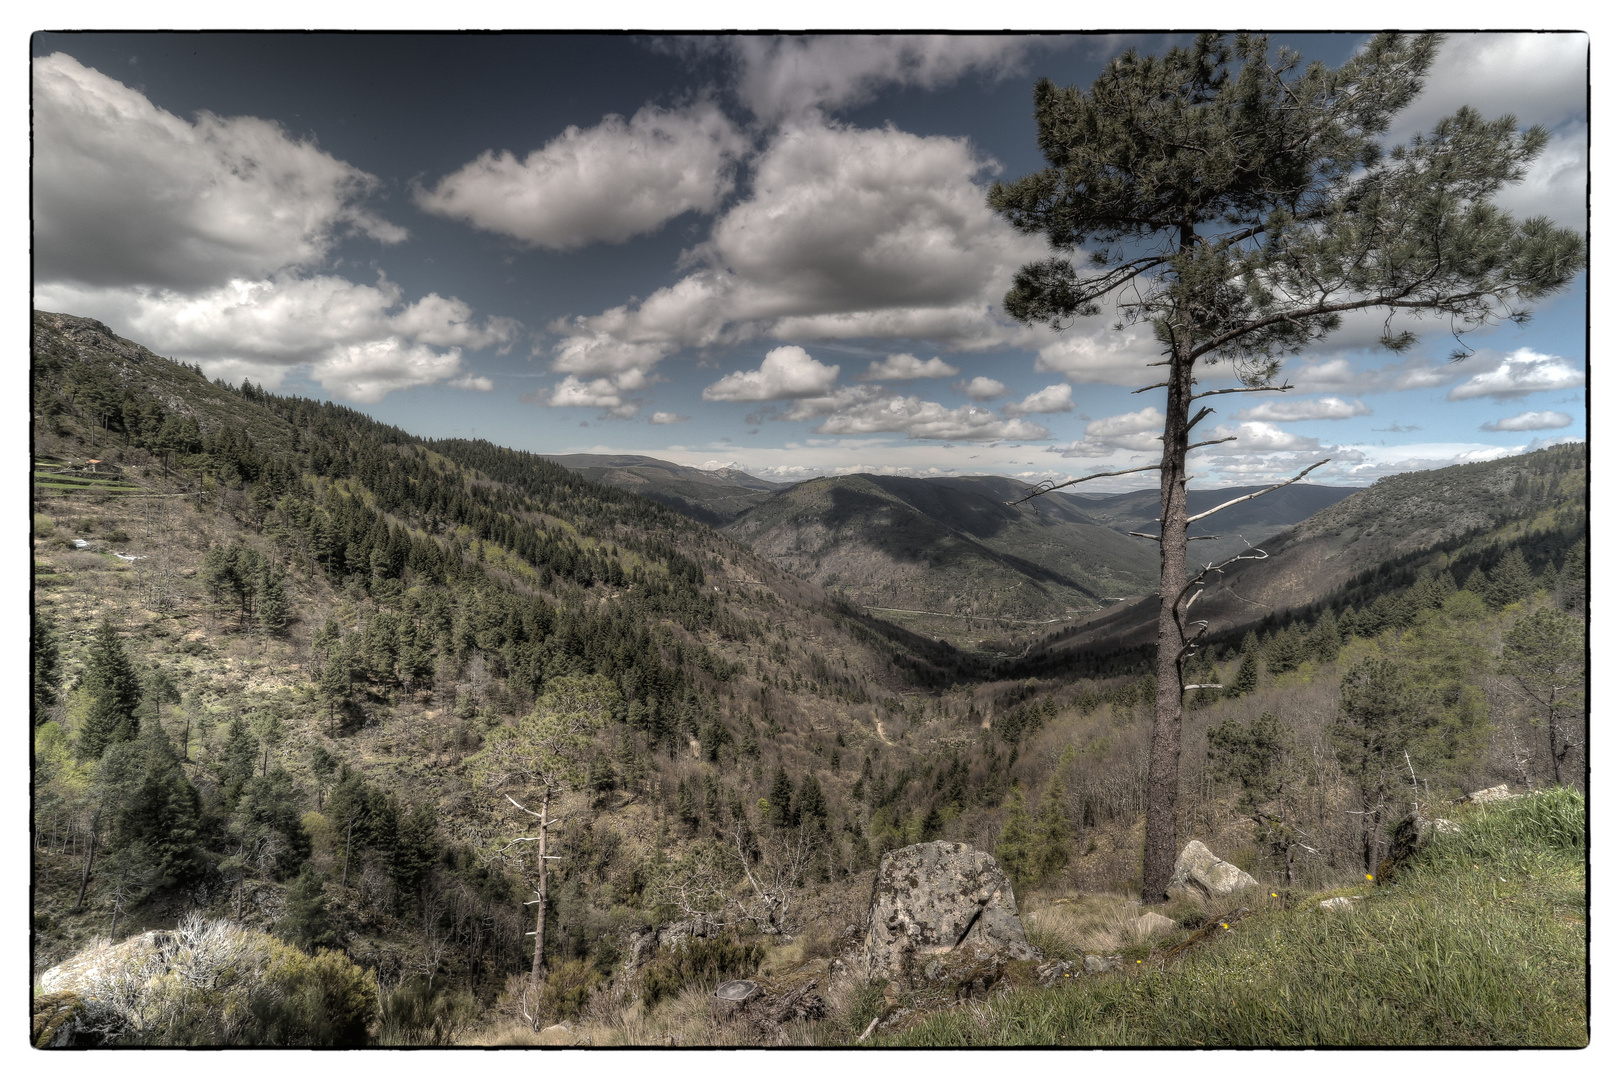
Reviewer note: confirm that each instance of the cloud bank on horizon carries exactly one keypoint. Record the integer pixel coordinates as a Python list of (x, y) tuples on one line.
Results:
[(805, 242)]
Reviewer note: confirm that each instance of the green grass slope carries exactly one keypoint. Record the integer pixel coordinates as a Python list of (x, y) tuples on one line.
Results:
[(1482, 942)]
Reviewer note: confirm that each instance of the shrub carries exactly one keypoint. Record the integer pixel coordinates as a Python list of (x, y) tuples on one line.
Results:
[(567, 990), (219, 984), (414, 1014), (320, 1000), (698, 962)]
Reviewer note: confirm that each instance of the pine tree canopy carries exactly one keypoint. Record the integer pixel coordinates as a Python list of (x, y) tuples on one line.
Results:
[(1251, 203), (113, 692)]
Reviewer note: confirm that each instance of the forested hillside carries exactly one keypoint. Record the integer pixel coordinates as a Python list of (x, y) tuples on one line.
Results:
[(952, 557), (713, 497), (300, 671)]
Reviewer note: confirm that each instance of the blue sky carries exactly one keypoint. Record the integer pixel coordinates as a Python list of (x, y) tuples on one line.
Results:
[(667, 246)]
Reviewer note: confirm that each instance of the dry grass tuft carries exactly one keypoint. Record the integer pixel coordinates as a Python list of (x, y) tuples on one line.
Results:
[(1090, 923)]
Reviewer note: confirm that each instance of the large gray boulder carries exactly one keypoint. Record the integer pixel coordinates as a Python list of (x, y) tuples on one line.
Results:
[(936, 899), (1202, 870)]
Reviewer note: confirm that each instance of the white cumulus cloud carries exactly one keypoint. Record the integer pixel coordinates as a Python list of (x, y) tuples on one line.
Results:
[(607, 183), (1090, 352), (1052, 399), (1522, 372), (667, 418), (780, 76), (1136, 431), (367, 371), (1284, 410), (786, 372), (1254, 436), (1538, 78), (126, 193), (602, 394), (470, 381), (982, 388), (899, 367), (847, 233), (919, 419), (358, 341), (1530, 421)]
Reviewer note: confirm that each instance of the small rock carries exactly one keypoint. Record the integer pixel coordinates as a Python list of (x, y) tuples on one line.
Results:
[(1152, 924), (742, 991), (1338, 903), (1101, 965), (1199, 868), (1053, 971), (1491, 794), (1442, 825)]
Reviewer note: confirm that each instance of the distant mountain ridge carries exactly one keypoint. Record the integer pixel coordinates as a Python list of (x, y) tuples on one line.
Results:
[(1238, 526), (948, 556), (1429, 517), (714, 497)]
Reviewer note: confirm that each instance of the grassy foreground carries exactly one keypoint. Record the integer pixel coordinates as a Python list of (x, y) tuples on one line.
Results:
[(1480, 942)]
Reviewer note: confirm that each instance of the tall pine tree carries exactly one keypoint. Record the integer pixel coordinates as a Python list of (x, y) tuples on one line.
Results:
[(1237, 205), (112, 694), (47, 659)]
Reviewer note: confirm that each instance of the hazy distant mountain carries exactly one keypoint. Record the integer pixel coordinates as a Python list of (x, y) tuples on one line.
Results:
[(1238, 526), (712, 497), (948, 555), (1428, 518)]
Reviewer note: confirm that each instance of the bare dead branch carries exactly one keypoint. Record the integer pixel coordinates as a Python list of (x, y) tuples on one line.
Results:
[(1155, 386), (1043, 489), (1257, 494), (1211, 442), (521, 807), (1232, 390), (1147, 536)]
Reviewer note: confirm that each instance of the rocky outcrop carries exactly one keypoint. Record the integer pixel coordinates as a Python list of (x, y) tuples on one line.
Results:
[(1201, 870), (86, 969), (1490, 794), (62, 1019), (944, 902), (645, 942)]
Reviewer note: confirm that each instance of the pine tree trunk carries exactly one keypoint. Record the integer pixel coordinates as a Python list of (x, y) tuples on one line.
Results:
[(537, 972), (1164, 754), (1552, 745), (347, 843), (90, 859)]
